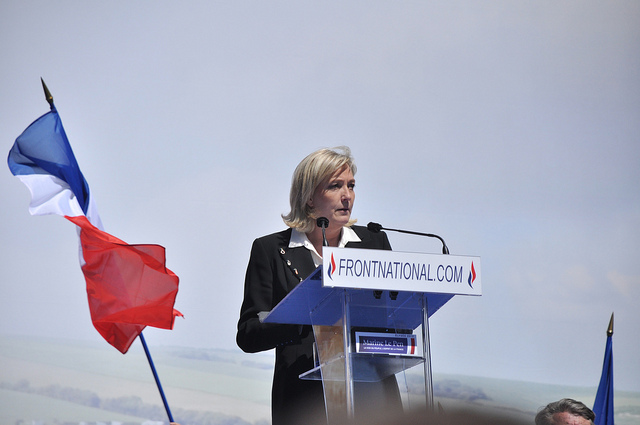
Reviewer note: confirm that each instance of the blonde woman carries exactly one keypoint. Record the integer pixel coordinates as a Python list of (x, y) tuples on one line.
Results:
[(323, 185)]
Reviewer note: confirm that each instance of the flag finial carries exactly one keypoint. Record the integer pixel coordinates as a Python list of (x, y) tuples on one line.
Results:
[(610, 328), (47, 93)]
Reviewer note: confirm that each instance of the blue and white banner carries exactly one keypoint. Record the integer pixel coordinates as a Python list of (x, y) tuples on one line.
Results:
[(401, 271), (386, 343)]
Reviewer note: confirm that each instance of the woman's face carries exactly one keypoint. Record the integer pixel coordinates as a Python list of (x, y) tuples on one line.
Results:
[(334, 197)]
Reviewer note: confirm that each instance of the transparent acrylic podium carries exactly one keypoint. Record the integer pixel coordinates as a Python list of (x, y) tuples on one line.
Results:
[(340, 313)]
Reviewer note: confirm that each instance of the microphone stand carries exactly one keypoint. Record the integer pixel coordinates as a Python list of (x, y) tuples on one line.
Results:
[(376, 227), (323, 223)]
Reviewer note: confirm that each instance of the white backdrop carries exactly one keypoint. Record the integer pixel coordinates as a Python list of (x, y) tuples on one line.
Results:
[(509, 128)]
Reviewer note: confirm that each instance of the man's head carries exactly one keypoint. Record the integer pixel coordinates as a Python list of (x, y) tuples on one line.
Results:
[(565, 412)]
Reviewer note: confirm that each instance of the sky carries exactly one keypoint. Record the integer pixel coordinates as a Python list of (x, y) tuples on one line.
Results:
[(511, 129)]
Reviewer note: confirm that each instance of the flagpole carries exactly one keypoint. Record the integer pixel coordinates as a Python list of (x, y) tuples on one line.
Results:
[(155, 376), (47, 93), (603, 404)]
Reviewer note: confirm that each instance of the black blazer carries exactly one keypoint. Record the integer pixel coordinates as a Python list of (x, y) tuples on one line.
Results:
[(274, 269)]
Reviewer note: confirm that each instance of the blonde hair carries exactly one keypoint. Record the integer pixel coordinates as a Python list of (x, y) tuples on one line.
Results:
[(309, 173)]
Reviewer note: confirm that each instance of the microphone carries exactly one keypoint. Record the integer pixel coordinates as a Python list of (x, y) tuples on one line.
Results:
[(376, 227), (323, 222)]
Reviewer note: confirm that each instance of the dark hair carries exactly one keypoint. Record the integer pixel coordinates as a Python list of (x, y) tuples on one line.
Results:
[(569, 405)]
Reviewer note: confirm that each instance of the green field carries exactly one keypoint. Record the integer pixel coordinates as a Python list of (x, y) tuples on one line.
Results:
[(55, 381), (224, 384)]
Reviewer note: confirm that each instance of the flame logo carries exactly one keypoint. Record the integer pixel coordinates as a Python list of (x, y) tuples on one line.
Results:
[(472, 276), (332, 267)]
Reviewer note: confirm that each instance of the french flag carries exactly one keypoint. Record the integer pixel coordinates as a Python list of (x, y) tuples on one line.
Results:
[(128, 286)]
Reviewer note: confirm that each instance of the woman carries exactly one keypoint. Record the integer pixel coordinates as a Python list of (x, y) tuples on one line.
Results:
[(322, 186)]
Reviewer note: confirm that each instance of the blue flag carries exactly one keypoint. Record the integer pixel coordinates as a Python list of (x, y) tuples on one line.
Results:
[(603, 406)]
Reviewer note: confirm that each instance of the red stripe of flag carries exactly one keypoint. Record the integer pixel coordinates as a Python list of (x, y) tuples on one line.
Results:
[(128, 286)]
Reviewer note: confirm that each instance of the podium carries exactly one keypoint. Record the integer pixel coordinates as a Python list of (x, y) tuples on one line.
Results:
[(370, 313)]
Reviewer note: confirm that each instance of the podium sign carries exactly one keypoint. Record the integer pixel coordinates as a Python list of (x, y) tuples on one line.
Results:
[(386, 343), (401, 271)]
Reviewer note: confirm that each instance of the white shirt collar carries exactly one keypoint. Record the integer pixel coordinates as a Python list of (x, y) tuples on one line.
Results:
[(299, 239)]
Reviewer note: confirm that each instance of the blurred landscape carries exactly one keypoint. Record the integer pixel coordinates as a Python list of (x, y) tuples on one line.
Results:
[(56, 381)]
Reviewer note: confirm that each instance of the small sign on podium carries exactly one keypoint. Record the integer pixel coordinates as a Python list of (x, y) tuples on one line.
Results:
[(386, 343)]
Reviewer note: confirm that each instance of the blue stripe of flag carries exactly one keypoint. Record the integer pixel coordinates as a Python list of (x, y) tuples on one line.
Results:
[(43, 148)]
